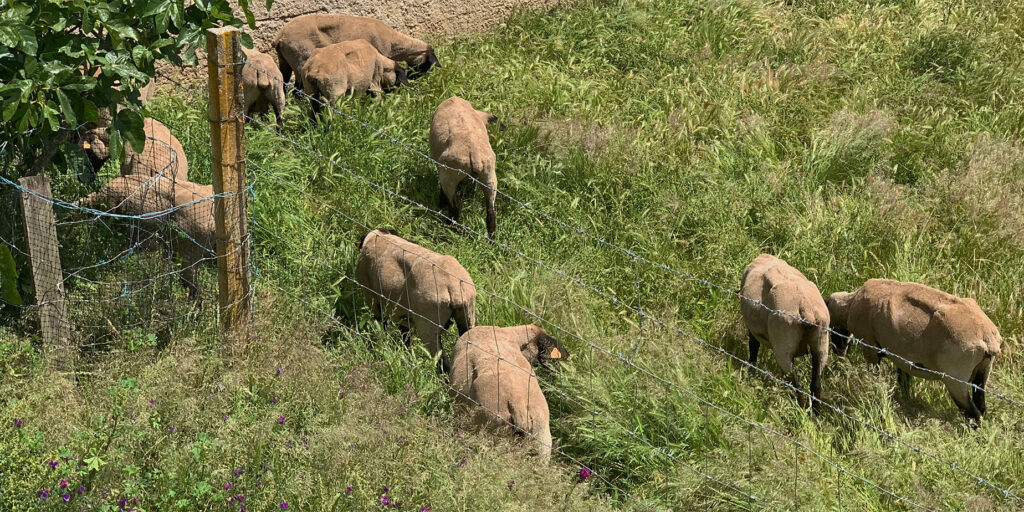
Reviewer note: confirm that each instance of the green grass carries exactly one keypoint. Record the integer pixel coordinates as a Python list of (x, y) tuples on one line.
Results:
[(854, 139)]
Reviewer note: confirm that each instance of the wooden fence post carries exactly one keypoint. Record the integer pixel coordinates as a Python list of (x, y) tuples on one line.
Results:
[(44, 252), (227, 124)]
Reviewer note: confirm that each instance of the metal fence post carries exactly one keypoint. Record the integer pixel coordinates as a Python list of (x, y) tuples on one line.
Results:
[(227, 125), (44, 252)]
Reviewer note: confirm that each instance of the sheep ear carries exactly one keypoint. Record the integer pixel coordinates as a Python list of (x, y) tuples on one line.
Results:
[(401, 76), (432, 58)]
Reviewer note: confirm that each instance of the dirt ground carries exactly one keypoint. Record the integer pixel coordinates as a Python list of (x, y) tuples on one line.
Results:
[(432, 20)]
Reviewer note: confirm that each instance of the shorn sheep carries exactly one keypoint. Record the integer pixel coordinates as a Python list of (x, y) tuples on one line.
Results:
[(140, 195), (262, 85), (302, 35), (461, 146), (781, 287), (492, 372), (349, 67), (162, 155), (932, 329), (416, 286)]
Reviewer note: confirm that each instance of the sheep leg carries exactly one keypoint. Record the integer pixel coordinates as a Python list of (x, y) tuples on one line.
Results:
[(903, 381), (449, 199), (279, 105), (961, 394), (406, 334), (430, 333), (817, 367), (492, 195), (754, 346), (980, 379)]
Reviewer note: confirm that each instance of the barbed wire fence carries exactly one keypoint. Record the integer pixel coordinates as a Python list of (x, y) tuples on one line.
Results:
[(154, 210)]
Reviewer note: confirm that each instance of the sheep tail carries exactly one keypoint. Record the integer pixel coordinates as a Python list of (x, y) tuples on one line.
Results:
[(465, 317), (263, 80)]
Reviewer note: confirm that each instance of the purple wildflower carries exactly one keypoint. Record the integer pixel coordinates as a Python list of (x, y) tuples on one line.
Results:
[(17, 422), (348, 490), (171, 429), (385, 501), (241, 507), (458, 436), (386, 490), (227, 486), (280, 420), (54, 464), (584, 474), (121, 502), (341, 393), (273, 399), (63, 483), (238, 472), (152, 402), (424, 509), (284, 505), (44, 493), (511, 484), (461, 463), (65, 497), (279, 370), (225, 417), (81, 489)]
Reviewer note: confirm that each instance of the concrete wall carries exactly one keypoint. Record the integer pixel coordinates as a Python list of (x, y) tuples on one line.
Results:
[(432, 20)]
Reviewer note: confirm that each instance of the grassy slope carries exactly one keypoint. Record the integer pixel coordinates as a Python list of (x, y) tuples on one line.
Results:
[(855, 139)]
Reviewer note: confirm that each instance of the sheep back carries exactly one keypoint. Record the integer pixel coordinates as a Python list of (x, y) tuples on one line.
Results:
[(491, 375), (354, 66), (930, 327), (301, 36), (459, 139), (162, 154), (411, 277), (780, 287), (262, 82)]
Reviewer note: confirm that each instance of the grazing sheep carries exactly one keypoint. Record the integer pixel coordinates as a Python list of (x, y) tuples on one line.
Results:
[(142, 194), (262, 84), (424, 289), (459, 140), (932, 329), (349, 67), (781, 287), (492, 369), (162, 154), (302, 35)]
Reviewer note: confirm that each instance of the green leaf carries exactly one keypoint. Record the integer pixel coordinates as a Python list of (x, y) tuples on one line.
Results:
[(116, 145), (246, 40), (28, 40), (8, 278), (94, 463), (269, 3), (89, 111), (129, 123), (9, 109), (65, 108)]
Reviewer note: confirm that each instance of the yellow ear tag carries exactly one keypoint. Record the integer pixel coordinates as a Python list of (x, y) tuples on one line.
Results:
[(555, 353), (86, 145)]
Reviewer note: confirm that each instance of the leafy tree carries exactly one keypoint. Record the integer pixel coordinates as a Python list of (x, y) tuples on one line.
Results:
[(51, 50)]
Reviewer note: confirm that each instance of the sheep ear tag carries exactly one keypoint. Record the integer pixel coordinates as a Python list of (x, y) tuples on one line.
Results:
[(86, 145), (555, 353)]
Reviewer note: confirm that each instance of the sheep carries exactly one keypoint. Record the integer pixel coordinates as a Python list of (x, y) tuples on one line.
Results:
[(302, 35), (932, 329), (263, 85), (460, 145), (417, 286), (492, 369), (349, 67), (137, 194), (162, 154), (781, 287)]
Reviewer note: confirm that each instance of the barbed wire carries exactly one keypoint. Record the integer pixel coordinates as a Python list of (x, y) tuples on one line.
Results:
[(600, 240), (529, 371), (622, 358)]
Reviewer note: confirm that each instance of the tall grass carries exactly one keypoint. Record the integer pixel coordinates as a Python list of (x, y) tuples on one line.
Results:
[(854, 139)]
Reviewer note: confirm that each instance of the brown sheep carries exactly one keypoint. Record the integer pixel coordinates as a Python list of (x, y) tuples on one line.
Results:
[(140, 194), (263, 85), (416, 286), (302, 35), (493, 370), (932, 329), (781, 287), (162, 154), (459, 140), (349, 67)]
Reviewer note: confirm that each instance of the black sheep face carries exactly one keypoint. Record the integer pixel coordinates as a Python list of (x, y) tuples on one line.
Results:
[(422, 68)]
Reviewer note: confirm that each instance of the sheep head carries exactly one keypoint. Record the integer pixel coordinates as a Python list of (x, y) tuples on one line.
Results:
[(539, 348), (429, 60), (838, 311)]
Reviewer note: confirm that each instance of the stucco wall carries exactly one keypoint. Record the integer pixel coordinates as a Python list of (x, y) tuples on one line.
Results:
[(432, 20)]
